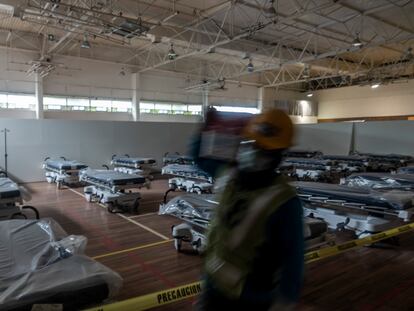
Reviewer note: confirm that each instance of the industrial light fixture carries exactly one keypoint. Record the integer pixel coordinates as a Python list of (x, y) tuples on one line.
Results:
[(306, 72), (309, 94), (375, 85), (408, 55), (357, 42), (85, 43), (171, 53), (250, 66)]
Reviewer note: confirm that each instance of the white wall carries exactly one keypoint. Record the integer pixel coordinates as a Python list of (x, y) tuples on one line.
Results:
[(93, 142), (363, 101)]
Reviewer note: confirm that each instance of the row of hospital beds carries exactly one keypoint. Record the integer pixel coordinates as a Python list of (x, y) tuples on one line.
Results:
[(196, 212), (364, 203), (315, 166), (117, 189)]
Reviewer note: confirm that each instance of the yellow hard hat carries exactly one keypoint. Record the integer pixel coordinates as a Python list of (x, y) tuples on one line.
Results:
[(271, 130)]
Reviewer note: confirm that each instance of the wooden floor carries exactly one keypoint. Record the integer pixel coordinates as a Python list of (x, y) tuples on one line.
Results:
[(366, 279)]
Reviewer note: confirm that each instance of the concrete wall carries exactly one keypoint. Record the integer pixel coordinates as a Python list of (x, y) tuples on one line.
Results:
[(363, 101)]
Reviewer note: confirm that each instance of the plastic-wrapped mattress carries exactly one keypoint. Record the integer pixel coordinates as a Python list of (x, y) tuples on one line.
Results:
[(406, 170), (177, 159), (308, 163), (66, 165), (381, 181), (189, 171), (8, 189), (110, 177), (41, 264), (396, 200), (388, 157), (302, 153), (132, 162), (200, 209)]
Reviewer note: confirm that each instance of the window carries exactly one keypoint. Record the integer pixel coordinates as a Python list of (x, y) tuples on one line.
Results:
[(121, 106), (103, 105), (17, 101), (3, 100), (237, 109), (54, 103), (80, 104), (169, 108)]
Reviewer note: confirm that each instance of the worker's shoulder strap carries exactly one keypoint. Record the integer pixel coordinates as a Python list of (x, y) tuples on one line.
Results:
[(261, 207)]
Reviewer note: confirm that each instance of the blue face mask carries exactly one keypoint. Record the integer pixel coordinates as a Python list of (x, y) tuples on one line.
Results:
[(252, 159)]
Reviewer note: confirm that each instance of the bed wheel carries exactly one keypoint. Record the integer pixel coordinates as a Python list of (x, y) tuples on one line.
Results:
[(59, 185), (177, 244), (197, 190), (111, 207), (88, 197), (135, 206)]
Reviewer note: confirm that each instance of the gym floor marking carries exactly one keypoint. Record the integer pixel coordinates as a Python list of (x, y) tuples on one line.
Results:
[(143, 215), (130, 220), (127, 250)]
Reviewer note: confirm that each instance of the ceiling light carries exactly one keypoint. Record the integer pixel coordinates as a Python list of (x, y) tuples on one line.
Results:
[(357, 42), (309, 94), (250, 66), (171, 53), (85, 43), (306, 72), (375, 85)]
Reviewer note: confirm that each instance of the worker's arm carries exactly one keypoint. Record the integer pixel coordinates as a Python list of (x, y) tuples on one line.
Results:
[(287, 232)]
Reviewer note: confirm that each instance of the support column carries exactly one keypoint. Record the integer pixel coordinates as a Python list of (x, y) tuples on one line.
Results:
[(39, 96), (265, 98), (136, 96), (204, 100)]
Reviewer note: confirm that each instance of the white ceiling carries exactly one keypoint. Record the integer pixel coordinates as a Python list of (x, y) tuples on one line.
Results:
[(282, 37)]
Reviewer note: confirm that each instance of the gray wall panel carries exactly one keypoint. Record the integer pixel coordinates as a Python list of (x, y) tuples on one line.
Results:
[(385, 137)]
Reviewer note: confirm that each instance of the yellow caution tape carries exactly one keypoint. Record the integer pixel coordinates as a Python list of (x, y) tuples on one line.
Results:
[(190, 290), (154, 300), (344, 247)]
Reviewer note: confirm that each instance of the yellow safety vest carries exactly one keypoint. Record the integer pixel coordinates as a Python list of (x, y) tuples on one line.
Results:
[(238, 230)]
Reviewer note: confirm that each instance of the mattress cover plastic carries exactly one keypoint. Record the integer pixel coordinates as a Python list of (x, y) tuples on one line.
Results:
[(200, 210), (308, 162), (177, 159), (406, 170), (190, 171), (39, 260), (381, 181), (60, 164), (394, 199), (110, 177), (346, 158), (8, 189), (134, 162), (388, 157), (302, 153)]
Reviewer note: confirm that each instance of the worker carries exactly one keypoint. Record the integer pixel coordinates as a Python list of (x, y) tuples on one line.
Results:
[(255, 254)]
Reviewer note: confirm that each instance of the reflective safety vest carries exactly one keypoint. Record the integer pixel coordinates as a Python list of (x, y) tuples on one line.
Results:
[(238, 230)]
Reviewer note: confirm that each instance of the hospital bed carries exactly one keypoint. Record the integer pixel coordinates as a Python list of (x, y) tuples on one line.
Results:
[(112, 188), (135, 165), (62, 171), (41, 264), (381, 181), (176, 158), (406, 170), (386, 162), (293, 153), (189, 178), (308, 169), (12, 199), (364, 211), (348, 163), (197, 210)]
